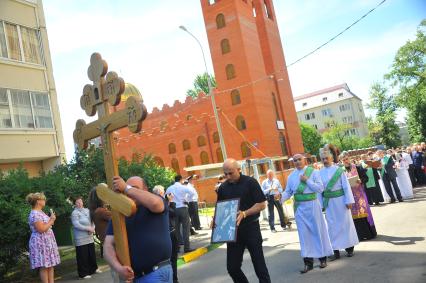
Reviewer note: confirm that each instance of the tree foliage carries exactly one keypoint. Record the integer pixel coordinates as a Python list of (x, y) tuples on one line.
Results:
[(408, 74), (201, 85), (386, 130), (312, 140), (338, 134)]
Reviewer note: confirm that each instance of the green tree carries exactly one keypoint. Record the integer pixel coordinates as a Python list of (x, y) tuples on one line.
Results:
[(312, 140), (408, 74), (201, 85), (384, 104), (338, 134)]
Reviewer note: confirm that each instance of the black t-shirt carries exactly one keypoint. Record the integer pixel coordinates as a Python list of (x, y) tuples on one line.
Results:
[(248, 190), (148, 236)]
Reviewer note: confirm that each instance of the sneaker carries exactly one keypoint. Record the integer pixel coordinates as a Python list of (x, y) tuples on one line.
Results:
[(98, 271), (86, 277)]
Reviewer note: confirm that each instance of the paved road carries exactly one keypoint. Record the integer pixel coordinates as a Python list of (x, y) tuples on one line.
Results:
[(398, 254)]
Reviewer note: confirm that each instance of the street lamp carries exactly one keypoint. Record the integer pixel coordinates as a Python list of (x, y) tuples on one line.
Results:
[(211, 94)]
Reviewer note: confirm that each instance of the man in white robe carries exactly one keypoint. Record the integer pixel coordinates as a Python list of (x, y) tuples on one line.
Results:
[(305, 184), (337, 202)]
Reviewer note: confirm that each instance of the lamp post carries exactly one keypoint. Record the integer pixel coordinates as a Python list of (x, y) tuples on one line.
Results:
[(211, 94)]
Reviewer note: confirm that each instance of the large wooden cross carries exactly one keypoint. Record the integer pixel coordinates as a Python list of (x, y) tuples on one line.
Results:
[(106, 91)]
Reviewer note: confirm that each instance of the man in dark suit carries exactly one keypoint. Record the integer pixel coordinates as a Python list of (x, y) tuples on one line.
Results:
[(389, 176)]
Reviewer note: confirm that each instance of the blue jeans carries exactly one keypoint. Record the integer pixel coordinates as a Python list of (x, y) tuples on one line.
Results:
[(161, 275)]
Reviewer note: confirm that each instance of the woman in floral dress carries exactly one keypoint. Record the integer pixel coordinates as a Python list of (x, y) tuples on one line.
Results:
[(44, 253)]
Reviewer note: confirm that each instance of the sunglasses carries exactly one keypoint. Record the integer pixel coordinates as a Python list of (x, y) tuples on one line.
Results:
[(229, 173)]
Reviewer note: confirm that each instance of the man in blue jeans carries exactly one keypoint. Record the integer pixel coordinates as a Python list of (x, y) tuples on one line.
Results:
[(148, 235)]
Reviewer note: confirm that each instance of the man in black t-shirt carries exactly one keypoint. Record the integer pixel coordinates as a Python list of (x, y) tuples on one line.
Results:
[(252, 201), (148, 235)]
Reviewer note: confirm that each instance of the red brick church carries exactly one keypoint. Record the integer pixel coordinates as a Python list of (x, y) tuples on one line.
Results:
[(253, 96)]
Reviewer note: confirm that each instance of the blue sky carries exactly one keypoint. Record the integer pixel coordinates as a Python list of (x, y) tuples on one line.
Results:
[(142, 42)]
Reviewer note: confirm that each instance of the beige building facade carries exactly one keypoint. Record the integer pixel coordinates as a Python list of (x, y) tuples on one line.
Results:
[(336, 104), (30, 124)]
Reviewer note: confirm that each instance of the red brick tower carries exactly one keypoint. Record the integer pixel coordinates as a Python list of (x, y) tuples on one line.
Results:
[(252, 81)]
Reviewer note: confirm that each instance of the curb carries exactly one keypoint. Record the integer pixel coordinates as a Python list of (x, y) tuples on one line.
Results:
[(188, 257)]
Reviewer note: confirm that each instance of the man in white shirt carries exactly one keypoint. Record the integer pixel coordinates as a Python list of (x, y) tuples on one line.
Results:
[(272, 189), (181, 196), (193, 205)]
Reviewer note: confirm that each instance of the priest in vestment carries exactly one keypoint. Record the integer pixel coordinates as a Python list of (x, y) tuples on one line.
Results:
[(337, 203), (305, 184)]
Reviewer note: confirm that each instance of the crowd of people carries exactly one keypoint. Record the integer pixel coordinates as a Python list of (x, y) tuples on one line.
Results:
[(332, 200)]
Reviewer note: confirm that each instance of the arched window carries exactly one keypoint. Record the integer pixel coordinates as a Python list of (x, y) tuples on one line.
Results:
[(219, 155), (188, 117), (220, 21), (230, 71), (163, 125), (159, 161), (235, 97), (204, 157), (215, 137), (241, 123), (245, 150), (201, 140), (172, 148), (224, 44), (175, 165), (283, 145), (189, 161), (186, 145)]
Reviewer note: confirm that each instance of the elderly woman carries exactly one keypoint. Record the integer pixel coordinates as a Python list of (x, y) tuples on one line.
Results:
[(83, 240), (44, 253), (361, 213)]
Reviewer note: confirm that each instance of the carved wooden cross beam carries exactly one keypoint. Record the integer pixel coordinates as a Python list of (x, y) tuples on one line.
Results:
[(98, 97)]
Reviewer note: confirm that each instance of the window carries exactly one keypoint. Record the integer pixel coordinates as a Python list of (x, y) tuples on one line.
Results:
[(224, 44), (186, 145), (274, 102), (253, 9), (347, 119), (353, 131), (344, 107), (326, 112), (310, 116), (215, 137), (30, 45), (204, 157), (159, 161), (283, 144), (340, 94), (235, 97), (25, 109), (219, 155), (189, 161), (245, 150), (172, 148), (241, 123), (316, 126), (220, 21), (188, 117), (305, 104), (19, 43), (324, 99), (230, 72), (175, 165), (163, 125), (201, 140), (267, 9)]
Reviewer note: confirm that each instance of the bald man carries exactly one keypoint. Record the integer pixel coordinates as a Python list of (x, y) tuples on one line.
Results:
[(148, 235), (252, 201)]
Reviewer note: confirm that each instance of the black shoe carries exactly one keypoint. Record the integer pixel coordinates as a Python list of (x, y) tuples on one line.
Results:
[(306, 269), (392, 201), (193, 232), (350, 254), (323, 264), (401, 200), (334, 257), (188, 251), (198, 228)]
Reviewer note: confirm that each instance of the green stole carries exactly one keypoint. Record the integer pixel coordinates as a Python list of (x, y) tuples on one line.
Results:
[(327, 194), (371, 182), (299, 195), (384, 163)]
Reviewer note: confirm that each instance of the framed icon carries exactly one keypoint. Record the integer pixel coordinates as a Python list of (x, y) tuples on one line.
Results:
[(225, 221)]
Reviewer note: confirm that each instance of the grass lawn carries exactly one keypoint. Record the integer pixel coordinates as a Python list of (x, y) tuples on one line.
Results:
[(208, 211), (68, 266)]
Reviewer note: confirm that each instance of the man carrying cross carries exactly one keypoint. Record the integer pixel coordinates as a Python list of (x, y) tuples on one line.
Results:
[(147, 233), (305, 184)]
